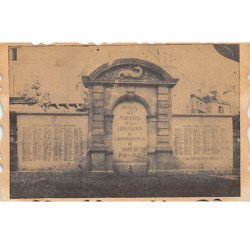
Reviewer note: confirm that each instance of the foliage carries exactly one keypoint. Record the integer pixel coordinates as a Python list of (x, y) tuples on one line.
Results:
[(33, 95)]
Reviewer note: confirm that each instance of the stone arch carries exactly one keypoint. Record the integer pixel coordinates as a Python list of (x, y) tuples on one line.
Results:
[(131, 98), (129, 80)]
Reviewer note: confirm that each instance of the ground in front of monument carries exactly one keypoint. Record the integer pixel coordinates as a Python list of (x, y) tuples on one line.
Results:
[(79, 185)]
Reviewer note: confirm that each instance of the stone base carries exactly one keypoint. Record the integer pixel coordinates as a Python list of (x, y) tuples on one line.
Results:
[(163, 159), (101, 160), (109, 161), (98, 161), (159, 162)]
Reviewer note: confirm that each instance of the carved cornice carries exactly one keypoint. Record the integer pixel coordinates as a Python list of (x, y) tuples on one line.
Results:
[(139, 83)]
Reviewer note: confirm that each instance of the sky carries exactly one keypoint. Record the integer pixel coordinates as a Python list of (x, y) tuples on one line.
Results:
[(59, 68)]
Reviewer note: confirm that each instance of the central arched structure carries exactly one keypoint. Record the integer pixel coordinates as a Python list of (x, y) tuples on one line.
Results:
[(129, 84)]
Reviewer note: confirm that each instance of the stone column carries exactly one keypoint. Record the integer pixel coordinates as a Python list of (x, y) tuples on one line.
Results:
[(97, 148), (152, 142), (108, 122), (163, 126)]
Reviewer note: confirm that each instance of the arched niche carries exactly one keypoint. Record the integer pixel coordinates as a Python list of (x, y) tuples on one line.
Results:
[(131, 98), (130, 137)]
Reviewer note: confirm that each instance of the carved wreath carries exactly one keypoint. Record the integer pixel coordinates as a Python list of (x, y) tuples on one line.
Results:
[(135, 72)]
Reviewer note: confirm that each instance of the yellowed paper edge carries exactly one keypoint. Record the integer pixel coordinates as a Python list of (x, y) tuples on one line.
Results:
[(244, 102)]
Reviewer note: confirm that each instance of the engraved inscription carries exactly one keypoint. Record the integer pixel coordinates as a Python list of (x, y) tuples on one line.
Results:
[(52, 143), (78, 145), (130, 139), (47, 143), (27, 144), (200, 141)]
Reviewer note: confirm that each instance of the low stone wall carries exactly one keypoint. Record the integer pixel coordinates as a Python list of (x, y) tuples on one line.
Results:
[(60, 142), (203, 142)]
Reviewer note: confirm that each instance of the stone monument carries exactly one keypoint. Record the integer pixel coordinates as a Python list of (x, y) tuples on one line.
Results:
[(129, 117)]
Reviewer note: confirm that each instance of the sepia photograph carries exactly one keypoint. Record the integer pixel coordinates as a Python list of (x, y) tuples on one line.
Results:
[(124, 121), (124, 125)]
